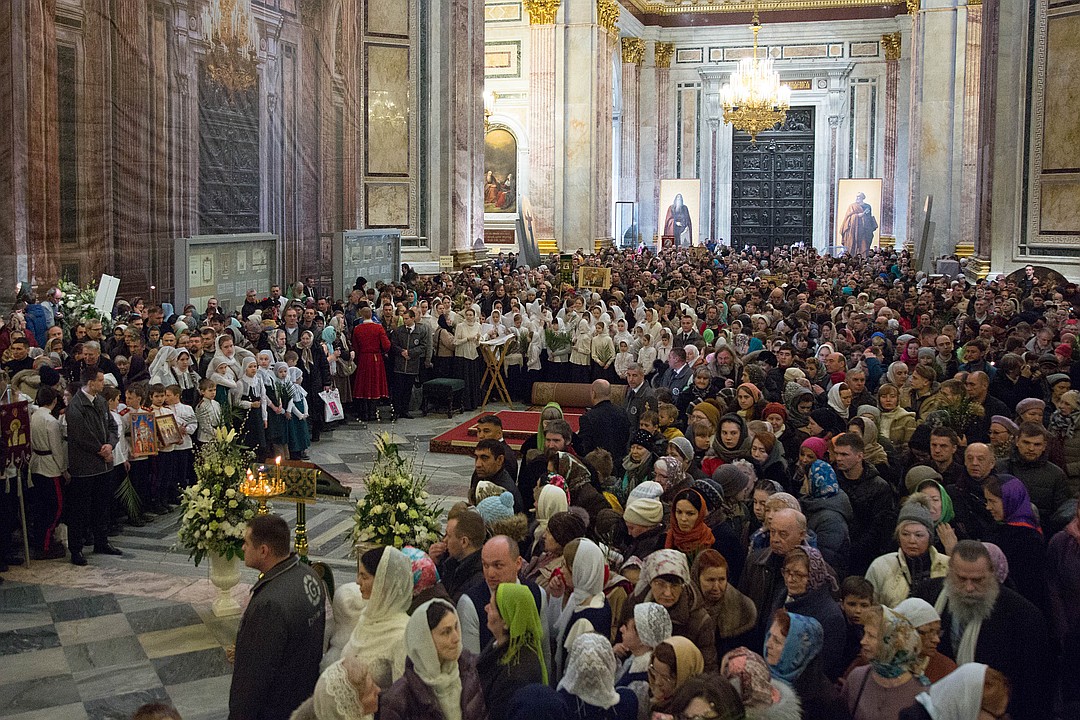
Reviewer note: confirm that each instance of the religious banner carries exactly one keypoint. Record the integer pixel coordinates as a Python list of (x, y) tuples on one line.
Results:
[(594, 278), (15, 424), (857, 202), (143, 434), (680, 206)]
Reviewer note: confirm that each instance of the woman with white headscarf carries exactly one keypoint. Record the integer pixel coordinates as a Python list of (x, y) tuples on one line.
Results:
[(649, 626), (581, 353), (184, 375), (588, 687), (969, 692), (249, 396), (386, 583), (345, 691), (160, 368), (298, 412), (440, 680), (587, 610), (467, 353)]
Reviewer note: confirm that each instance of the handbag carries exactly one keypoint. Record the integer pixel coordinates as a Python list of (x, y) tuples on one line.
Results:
[(332, 409)]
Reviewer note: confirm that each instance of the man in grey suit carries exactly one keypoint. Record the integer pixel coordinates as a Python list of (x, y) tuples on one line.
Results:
[(410, 347), (639, 396), (92, 434)]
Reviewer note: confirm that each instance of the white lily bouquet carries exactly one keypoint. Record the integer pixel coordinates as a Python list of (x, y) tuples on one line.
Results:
[(77, 305), (215, 512), (396, 509)]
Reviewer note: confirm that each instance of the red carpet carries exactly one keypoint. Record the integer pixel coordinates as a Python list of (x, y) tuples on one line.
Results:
[(517, 426)]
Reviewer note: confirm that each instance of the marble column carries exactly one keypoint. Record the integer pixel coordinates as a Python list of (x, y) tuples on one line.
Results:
[(891, 45), (938, 97), (969, 210), (836, 106), (29, 173), (633, 52), (665, 101), (987, 101), (542, 36), (466, 126), (583, 134)]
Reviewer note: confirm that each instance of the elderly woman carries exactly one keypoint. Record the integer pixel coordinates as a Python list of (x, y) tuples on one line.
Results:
[(674, 661), (897, 422), (898, 575), (927, 623), (649, 626), (734, 614), (811, 588), (763, 697), (828, 512), (588, 687), (345, 691), (792, 649), (893, 679), (665, 579), (440, 680), (1003, 434)]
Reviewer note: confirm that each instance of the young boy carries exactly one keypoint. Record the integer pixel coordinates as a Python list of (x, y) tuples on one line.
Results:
[(136, 397), (650, 423), (669, 415), (207, 412), (165, 480), (120, 451), (188, 424), (856, 598)]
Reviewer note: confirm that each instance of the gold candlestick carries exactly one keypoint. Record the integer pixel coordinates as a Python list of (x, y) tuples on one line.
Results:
[(261, 488)]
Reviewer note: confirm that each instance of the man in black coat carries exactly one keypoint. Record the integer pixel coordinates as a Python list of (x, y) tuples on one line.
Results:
[(872, 500), (280, 640), (92, 435), (604, 425), (410, 348), (490, 465), (1009, 633)]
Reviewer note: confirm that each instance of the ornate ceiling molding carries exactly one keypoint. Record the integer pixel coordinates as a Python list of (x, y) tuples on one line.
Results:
[(683, 7)]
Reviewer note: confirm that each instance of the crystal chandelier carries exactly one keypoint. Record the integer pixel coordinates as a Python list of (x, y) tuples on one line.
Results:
[(754, 99), (233, 40)]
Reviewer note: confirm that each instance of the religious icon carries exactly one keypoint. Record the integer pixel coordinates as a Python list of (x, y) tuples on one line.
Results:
[(143, 434), (856, 226), (168, 431), (15, 421), (594, 277), (681, 213), (500, 181)]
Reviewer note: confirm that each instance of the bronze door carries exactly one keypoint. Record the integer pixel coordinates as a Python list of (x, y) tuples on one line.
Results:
[(772, 184)]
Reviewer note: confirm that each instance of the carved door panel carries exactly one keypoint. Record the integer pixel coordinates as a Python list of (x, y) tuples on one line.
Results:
[(772, 184)]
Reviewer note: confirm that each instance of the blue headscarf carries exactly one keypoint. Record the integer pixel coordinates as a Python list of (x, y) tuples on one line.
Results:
[(803, 644), (823, 482)]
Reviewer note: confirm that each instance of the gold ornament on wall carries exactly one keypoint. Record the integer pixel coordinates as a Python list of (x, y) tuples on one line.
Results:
[(891, 43), (633, 50), (607, 15), (542, 12), (232, 37), (663, 53), (912, 6)]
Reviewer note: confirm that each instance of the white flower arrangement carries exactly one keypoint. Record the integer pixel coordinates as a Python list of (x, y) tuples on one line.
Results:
[(215, 512), (77, 305), (396, 510)]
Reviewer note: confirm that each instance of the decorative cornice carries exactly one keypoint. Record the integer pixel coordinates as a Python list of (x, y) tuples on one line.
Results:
[(663, 52), (542, 12), (607, 15), (682, 7), (912, 7), (891, 43), (633, 50), (972, 3)]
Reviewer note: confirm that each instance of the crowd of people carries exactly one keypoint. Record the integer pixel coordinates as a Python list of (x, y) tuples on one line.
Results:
[(806, 486)]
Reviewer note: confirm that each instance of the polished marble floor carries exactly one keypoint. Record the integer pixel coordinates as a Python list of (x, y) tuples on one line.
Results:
[(98, 641)]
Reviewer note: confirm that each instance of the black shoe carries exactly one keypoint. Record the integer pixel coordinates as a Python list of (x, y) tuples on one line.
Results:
[(54, 552), (115, 531), (304, 456), (106, 549), (78, 559)]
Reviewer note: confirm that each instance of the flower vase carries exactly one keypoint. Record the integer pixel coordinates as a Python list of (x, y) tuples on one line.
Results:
[(224, 574)]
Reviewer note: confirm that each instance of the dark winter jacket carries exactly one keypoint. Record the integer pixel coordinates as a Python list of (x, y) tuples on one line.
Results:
[(829, 518), (819, 605), (874, 507), (500, 681), (1045, 482), (411, 699), (1025, 550), (764, 585)]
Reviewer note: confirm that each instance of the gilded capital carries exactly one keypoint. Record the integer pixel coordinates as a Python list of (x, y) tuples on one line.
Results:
[(912, 6), (891, 43), (633, 50), (542, 12), (663, 53), (607, 15)]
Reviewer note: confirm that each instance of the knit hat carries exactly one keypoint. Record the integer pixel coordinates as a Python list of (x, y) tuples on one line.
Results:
[(871, 411), (1006, 423), (486, 489), (731, 480), (1030, 404), (653, 623), (710, 491), (684, 448), (919, 474), (710, 411), (915, 511), (495, 508), (774, 408), (918, 612), (646, 512), (643, 439), (818, 445), (926, 352), (1052, 380), (1064, 350), (647, 489)]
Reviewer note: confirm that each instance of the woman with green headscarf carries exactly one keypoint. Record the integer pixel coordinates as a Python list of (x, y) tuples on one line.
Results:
[(515, 658), (941, 510)]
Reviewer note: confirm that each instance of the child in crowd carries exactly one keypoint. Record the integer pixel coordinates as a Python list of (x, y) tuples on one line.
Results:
[(650, 423), (299, 432), (223, 382), (188, 424), (165, 480), (207, 412), (856, 599), (120, 450), (669, 415), (623, 358), (137, 397), (278, 397)]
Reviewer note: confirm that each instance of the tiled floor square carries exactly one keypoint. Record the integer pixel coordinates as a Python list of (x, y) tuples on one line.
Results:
[(76, 632), (25, 616), (104, 653), (72, 711), (28, 639), (37, 693), (121, 707), (162, 618), (163, 643), (201, 698), (31, 665), (116, 680), (18, 595), (87, 606), (192, 666)]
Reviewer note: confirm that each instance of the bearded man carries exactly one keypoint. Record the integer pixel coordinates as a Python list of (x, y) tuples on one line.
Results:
[(982, 621)]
